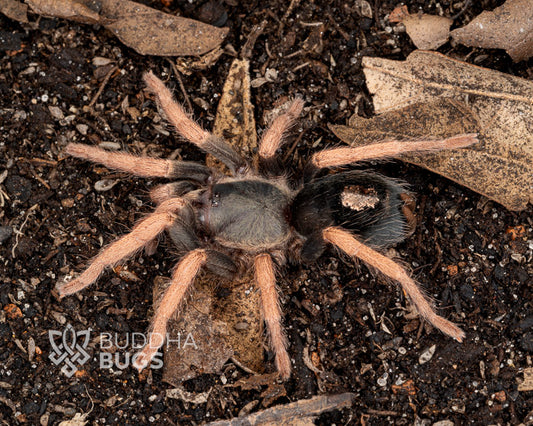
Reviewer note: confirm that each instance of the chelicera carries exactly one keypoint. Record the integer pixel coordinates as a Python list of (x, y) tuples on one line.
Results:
[(258, 217)]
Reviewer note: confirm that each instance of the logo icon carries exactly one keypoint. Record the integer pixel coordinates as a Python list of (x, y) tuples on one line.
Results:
[(71, 348)]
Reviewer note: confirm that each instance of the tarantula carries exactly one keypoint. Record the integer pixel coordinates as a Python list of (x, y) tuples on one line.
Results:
[(259, 217)]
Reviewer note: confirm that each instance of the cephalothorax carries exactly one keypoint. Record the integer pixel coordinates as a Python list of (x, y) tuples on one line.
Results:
[(257, 215)]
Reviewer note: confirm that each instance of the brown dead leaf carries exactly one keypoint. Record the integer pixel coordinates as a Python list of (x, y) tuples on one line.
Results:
[(79, 11), (196, 344), (146, 30), (508, 27), (426, 31), (152, 32), (501, 166), (238, 313), (235, 120), (14, 10)]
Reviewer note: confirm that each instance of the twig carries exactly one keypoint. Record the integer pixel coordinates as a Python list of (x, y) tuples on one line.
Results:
[(246, 51), (243, 367), (289, 10), (182, 86), (102, 86), (18, 232), (463, 10)]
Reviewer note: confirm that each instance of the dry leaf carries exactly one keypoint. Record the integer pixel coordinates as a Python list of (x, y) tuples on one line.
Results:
[(501, 166), (14, 10), (426, 31), (237, 314), (241, 309), (508, 27), (196, 344), (148, 31), (440, 118), (235, 120), (68, 9), (152, 32)]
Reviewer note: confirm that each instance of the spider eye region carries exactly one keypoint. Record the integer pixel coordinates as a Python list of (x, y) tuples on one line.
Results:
[(247, 214)]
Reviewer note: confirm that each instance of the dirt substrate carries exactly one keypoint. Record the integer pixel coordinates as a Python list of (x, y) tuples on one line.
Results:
[(472, 255)]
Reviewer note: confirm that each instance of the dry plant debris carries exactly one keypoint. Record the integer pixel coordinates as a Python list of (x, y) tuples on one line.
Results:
[(298, 413), (147, 30), (427, 32), (498, 106), (14, 10), (508, 27), (239, 329)]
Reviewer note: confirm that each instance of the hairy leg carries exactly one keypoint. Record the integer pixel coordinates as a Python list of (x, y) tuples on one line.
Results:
[(140, 166), (351, 246), (346, 155), (266, 280), (191, 131), (141, 235), (273, 137), (182, 278), (171, 190)]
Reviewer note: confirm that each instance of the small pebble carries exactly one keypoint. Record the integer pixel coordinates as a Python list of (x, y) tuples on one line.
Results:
[(105, 185), (427, 354)]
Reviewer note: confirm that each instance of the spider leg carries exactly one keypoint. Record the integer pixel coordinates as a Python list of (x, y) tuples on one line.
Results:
[(351, 246), (191, 131), (182, 279), (346, 155), (142, 234), (273, 137), (140, 166), (171, 190), (266, 280)]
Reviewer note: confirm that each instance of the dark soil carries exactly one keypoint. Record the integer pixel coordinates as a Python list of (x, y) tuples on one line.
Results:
[(353, 324)]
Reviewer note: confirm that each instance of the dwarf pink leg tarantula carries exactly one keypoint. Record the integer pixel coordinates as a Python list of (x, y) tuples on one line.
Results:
[(256, 215)]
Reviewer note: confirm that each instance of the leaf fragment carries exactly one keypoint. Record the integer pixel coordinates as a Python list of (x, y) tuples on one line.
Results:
[(152, 32), (427, 32), (144, 29), (14, 10), (508, 27)]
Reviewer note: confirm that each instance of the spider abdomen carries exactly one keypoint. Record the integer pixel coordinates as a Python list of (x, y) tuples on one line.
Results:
[(247, 214), (367, 204)]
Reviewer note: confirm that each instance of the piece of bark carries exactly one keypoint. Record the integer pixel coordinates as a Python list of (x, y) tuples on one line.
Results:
[(299, 413), (501, 165), (508, 27)]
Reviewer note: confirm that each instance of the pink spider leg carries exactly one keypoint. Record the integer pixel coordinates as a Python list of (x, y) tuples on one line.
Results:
[(142, 234), (182, 279), (191, 131), (346, 155), (273, 137), (139, 166), (351, 246), (266, 280)]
